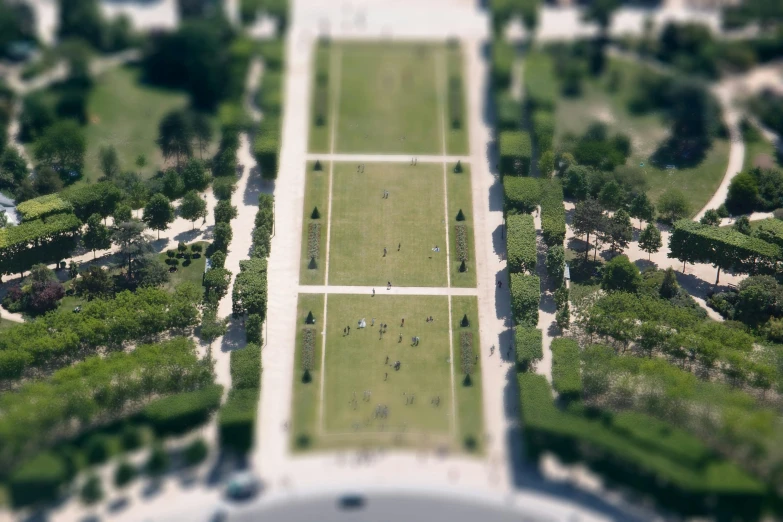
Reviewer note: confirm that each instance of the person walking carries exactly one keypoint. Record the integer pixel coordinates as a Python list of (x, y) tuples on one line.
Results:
[(349, 330), (384, 252), (402, 323), (373, 292), (399, 245)]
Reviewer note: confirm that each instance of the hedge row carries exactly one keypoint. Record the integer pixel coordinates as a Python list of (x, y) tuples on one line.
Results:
[(771, 231), (508, 111), (308, 349), (540, 85), (637, 451), (246, 367), (521, 195), (462, 242), (466, 352), (502, 64), (543, 129), (36, 233), (266, 147), (529, 347), (270, 94), (180, 413), (99, 198), (525, 295), (273, 54), (313, 240), (566, 368), (263, 226), (42, 207), (521, 243), (553, 219), (515, 151), (237, 419), (250, 288), (37, 481)]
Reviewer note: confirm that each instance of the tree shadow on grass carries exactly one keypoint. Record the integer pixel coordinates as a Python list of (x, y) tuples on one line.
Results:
[(682, 153)]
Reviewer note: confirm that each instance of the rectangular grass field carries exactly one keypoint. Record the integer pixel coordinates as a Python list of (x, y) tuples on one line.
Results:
[(316, 196), (364, 223), (357, 362)]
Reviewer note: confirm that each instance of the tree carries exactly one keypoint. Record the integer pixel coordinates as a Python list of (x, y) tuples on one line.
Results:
[(158, 213), (124, 474), (216, 283), (91, 491), (218, 259), (546, 164), (225, 211), (619, 230), (212, 326), (97, 236), (587, 220), (743, 194), (224, 187), (650, 240), (13, 166), (3, 219), (193, 207), (175, 135), (132, 242), (195, 175), (62, 147), (95, 282), (600, 12), (711, 217), (673, 205), (81, 19), (151, 271), (158, 461), (669, 286), (196, 452), (555, 264), (742, 225), (47, 181), (110, 162), (642, 208), (621, 275), (611, 196), (222, 236), (73, 269), (202, 131), (122, 213)]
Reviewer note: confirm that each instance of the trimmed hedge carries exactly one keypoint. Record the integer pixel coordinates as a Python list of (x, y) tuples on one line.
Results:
[(246, 367), (270, 94), (273, 54), (515, 151), (180, 413), (37, 232), (529, 347), (525, 295), (637, 451), (543, 129), (508, 112), (250, 288), (462, 242), (308, 349), (237, 419), (466, 352), (541, 88), (521, 195), (266, 147), (264, 223), (769, 230), (553, 218), (37, 481), (521, 243), (503, 55), (566, 367), (42, 207), (99, 198)]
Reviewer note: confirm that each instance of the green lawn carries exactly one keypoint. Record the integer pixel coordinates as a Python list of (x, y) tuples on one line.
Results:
[(5, 323), (647, 131), (323, 91), (316, 195), (461, 197), (469, 407), (357, 362), (306, 395), (456, 138), (389, 98), (125, 113), (363, 224), (756, 149), (193, 273)]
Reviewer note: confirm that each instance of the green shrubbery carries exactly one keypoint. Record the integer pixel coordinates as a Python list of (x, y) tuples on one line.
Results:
[(43, 207), (264, 223), (502, 64), (525, 295), (521, 243), (508, 111), (37, 481), (521, 195), (529, 349), (515, 151), (180, 413), (539, 81), (553, 222), (543, 129), (246, 367), (266, 147), (237, 419), (566, 372)]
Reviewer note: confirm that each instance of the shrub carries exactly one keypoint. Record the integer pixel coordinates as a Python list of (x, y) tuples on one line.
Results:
[(246, 367), (508, 112), (543, 129), (462, 242), (521, 195), (37, 481), (237, 419), (621, 275), (515, 150), (315, 214), (273, 54), (529, 347), (502, 62), (182, 412), (555, 264), (466, 351), (97, 451), (460, 216), (525, 295), (267, 146), (130, 437), (196, 248), (250, 288), (566, 371), (540, 92), (253, 328), (196, 452), (43, 207), (91, 491), (158, 461), (270, 94), (264, 223), (313, 239), (521, 243), (308, 349), (124, 473)]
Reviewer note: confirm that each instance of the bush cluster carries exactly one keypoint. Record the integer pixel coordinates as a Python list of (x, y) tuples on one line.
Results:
[(246, 367), (264, 223), (466, 352), (553, 219), (525, 295), (539, 81), (515, 151), (180, 413), (508, 111), (43, 207), (266, 147), (502, 63), (566, 372), (521, 243), (521, 195), (37, 241), (462, 241), (250, 288), (543, 129), (529, 347)]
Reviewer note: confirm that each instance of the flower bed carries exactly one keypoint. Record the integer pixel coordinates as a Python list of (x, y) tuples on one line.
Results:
[(462, 242), (313, 240), (466, 350), (308, 349)]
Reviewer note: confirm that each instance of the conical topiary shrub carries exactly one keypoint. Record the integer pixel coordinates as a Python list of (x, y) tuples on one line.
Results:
[(460, 216), (467, 381), (465, 322), (463, 267), (318, 166), (315, 214), (306, 377), (312, 265), (458, 167), (310, 318)]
